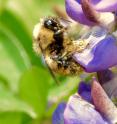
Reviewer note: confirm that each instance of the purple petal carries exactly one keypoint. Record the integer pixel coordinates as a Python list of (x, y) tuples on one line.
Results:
[(58, 114), (116, 13), (103, 103), (108, 81), (85, 91), (88, 14), (79, 111), (94, 2), (74, 10), (111, 88), (97, 56), (79, 1), (105, 76), (105, 5)]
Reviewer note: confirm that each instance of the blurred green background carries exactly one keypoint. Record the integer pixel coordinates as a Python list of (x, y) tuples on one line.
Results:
[(28, 94)]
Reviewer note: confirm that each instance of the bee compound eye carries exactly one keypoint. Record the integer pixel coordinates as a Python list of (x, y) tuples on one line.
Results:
[(50, 24)]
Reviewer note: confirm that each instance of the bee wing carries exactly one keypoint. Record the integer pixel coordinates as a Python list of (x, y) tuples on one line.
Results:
[(93, 38), (95, 32), (65, 22)]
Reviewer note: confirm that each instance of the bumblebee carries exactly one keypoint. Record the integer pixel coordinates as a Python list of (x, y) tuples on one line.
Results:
[(52, 37)]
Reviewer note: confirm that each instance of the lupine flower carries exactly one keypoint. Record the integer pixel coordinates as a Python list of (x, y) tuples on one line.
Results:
[(91, 12), (79, 111), (101, 51), (102, 44)]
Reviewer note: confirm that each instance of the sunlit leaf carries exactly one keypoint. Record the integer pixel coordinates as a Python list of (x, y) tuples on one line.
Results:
[(31, 11), (15, 25), (17, 20), (13, 60)]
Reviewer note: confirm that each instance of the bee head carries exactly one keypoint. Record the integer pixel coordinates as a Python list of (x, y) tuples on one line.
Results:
[(44, 32), (52, 23)]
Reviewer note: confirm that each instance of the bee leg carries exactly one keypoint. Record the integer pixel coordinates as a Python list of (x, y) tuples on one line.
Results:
[(58, 35), (64, 54)]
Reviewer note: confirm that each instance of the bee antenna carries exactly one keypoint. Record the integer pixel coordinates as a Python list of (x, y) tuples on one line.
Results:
[(65, 19), (52, 74)]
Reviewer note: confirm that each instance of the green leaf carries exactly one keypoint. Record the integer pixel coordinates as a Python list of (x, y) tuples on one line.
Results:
[(34, 86), (10, 118), (10, 103), (4, 83), (13, 110)]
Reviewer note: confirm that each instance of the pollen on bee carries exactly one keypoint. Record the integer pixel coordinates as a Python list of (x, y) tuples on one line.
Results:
[(81, 44), (36, 47), (49, 60)]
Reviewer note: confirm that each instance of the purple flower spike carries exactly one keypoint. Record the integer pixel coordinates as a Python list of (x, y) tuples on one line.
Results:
[(58, 114), (86, 12), (79, 111), (100, 54)]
